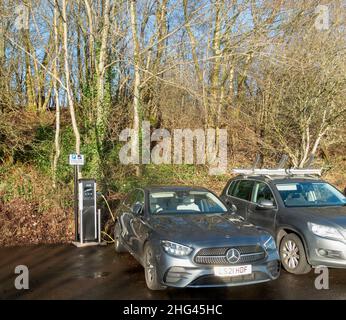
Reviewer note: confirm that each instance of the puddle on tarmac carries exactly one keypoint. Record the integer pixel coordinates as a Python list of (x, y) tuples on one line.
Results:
[(94, 275)]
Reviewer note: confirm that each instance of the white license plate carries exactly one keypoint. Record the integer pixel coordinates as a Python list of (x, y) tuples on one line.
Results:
[(233, 271)]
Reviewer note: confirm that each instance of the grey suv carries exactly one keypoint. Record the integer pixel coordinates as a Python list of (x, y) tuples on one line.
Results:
[(307, 217)]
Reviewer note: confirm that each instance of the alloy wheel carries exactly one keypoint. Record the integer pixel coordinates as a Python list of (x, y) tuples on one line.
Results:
[(290, 254)]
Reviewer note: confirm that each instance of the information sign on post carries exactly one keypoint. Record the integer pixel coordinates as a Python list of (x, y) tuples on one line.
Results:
[(76, 160)]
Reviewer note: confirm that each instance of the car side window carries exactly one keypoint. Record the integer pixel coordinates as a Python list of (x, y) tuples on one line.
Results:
[(232, 187), (135, 197), (262, 192), (243, 190)]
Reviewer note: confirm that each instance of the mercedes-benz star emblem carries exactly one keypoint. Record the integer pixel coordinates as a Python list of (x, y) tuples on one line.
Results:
[(232, 255)]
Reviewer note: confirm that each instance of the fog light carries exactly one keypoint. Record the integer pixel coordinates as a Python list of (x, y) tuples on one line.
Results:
[(175, 274), (330, 253), (322, 252)]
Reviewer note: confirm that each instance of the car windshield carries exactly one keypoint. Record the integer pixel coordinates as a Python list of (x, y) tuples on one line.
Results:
[(310, 194), (182, 202)]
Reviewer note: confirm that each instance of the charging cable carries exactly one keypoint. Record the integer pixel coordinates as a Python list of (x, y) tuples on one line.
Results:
[(109, 208), (112, 215)]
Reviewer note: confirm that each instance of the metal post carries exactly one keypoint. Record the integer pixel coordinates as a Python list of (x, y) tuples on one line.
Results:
[(76, 202), (95, 216), (99, 225), (81, 226)]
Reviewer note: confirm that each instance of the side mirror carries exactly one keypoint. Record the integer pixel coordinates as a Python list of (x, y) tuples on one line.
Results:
[(137, 209), (265, 204), (234, 208)]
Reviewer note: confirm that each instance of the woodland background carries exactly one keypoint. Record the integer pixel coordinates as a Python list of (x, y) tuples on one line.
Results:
[(73, 74)]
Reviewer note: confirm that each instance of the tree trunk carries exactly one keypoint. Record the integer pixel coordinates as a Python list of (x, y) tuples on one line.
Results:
[(67, 78), (29, 85), (215, 75), (198, 69), (2, 58), (56, 96), (137, 80), (91, 59), (100, 105)]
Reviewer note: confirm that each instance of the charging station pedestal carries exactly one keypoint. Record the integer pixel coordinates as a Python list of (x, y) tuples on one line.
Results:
[(88, 215), (88, 226)]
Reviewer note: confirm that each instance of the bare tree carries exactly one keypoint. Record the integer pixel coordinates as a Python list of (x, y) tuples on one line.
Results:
[(56, 94), (137, 76), (67, 77)]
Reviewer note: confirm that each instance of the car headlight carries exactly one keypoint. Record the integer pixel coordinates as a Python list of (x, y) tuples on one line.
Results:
[(175, 249), (325, 231), (270, 244)]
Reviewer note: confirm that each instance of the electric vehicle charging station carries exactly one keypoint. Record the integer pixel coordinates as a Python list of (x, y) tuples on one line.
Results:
[(87, 216)]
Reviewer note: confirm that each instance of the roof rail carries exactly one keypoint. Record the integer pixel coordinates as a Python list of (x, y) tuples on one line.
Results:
[(263, 172), (278, 172), (316, 172)]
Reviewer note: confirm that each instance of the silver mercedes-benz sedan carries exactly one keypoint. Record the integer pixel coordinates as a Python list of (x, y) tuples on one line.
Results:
[(186, 237)]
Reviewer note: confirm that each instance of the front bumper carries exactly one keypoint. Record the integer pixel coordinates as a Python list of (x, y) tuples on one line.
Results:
[(183, 272), (326, 252)]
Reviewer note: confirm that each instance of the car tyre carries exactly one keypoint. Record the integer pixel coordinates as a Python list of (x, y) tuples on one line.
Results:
[(150, 270), (293, 256), (118, 246)]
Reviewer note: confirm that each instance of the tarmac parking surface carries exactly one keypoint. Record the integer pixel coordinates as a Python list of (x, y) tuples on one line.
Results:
[(67, 272)]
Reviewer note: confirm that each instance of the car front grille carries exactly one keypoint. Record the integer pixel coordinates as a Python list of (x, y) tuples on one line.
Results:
[(217, 256)]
